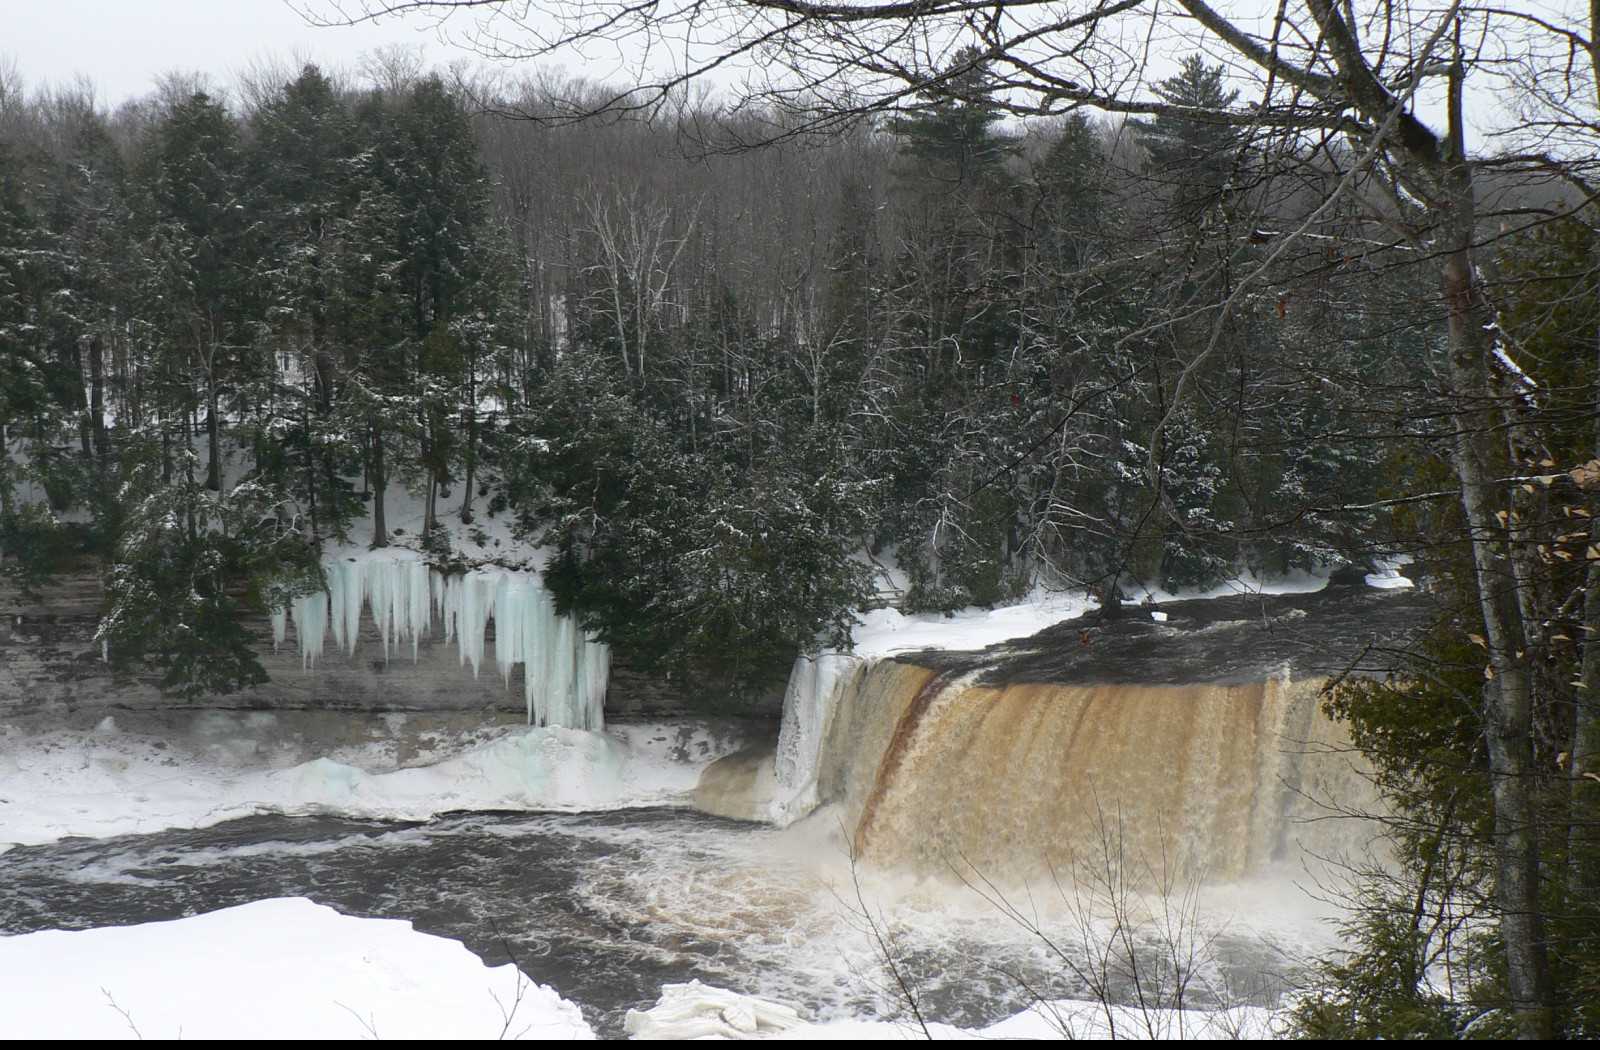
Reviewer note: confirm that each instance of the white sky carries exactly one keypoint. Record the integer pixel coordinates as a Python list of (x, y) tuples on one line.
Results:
[(124, 46)]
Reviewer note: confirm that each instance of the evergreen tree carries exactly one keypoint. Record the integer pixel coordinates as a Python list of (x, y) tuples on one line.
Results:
[(1196, 157), (307, 177), (200, 300)]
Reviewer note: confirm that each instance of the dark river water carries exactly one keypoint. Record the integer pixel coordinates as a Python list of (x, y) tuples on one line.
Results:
[(603, 907)]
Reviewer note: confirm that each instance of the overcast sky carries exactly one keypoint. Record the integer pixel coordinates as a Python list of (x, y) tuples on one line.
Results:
[(125, 46)]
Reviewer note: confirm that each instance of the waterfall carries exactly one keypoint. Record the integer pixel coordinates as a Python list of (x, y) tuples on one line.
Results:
[(929, 771), (565, 670)]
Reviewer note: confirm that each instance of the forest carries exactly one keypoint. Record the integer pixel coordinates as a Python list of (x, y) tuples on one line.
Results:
[(710, 380), (725, 361)]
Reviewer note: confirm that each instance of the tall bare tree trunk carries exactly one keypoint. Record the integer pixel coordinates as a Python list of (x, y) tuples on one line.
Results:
[(214, 444), (1585, 763), (97, 398), (1508, 692), (380, 482), (471, 463)]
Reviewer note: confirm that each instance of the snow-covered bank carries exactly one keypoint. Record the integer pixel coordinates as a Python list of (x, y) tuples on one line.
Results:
[(62, 783), (273, 969), (884, 632)]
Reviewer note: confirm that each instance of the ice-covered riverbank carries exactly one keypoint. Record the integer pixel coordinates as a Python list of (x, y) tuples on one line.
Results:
[(201, 768), (285, 968)]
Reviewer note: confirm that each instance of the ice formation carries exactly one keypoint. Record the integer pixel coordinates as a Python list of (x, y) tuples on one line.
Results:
[(815, 685), (700, 1011), (565, 670)]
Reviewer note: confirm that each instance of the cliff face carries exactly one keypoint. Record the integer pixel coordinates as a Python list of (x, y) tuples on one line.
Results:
[(49, 662)]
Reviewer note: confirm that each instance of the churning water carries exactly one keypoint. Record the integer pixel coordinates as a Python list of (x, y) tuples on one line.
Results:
[(607, 907)]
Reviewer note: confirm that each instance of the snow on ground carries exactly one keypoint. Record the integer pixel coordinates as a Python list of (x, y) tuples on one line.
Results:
[(1295, 582), (883, 632), (697, 1011), (64, 783), (273, 969)]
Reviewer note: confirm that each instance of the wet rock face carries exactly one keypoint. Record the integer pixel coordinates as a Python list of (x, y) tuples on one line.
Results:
[(1221, 641), (739, 786)]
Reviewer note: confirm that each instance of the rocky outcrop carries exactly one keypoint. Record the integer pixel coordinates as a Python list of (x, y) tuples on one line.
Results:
[(49, 662)]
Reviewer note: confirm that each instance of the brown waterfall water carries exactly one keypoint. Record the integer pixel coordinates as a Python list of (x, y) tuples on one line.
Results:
[(932, 772)]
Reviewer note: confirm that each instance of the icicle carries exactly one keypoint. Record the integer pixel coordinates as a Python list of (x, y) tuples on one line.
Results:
[(419, 617), (535, 646), (311, 626), (379, 586), (565, 671), (280, 627), (345, 594), (473, 609), (597, 662), (330, 569), (436, 593), (508, 609)]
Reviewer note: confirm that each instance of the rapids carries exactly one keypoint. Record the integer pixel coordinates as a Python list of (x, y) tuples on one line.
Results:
[(608, 907)]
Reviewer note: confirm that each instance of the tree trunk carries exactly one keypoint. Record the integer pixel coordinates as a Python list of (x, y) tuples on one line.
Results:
[(311, 481), (214, 444), (85, 423), (1508, 694), (471, 464), (1586, 719), (380, 482), (1586, 742), (97, 398)]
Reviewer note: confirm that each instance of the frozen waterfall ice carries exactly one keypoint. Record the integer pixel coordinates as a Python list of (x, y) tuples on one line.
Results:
[(815, 686), (565, 670)]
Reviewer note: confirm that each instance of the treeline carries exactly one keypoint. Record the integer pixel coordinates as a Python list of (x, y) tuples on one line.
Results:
[(719, 382), (710, 378)]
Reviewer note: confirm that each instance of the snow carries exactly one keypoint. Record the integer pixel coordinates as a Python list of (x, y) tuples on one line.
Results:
[(1297, 581), (1387, 576), (112, 782), (283, 968), (883, 632), (565, 669), (698, 1011), (1511, 366), (695, 1011), (288, 968)]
